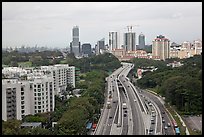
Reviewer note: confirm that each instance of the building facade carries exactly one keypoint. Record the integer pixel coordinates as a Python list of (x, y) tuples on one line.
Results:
[(75, 44), (100, 47), (161, 47), (129, 41), (86, 49), (113, 41), (62, 76), (32, 90), (141, 41), (21, 98)]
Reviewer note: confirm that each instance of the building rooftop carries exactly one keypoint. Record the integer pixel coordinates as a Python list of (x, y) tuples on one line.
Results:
[(31, 124)]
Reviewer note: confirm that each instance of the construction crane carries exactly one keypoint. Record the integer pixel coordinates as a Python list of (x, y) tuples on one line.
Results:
[(130, 27)]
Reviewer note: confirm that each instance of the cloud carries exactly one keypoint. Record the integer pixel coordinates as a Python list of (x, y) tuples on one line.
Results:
[(55, 20)]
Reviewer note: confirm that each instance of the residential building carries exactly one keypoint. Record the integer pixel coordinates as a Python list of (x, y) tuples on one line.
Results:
[(62, 76), (161, 47), (186, 49), (21, 98), (32, 90)]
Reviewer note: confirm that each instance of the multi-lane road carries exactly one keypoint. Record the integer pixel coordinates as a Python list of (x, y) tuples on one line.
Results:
[(128, 111)]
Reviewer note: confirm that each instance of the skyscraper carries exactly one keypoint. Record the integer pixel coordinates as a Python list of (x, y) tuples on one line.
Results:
[(161, 47), (141, 41), (113, 40), (86, 49), (100, 46), (75, 44), (129, 41)]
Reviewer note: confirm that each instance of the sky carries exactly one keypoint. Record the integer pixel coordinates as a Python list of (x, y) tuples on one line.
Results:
[(50, 23)]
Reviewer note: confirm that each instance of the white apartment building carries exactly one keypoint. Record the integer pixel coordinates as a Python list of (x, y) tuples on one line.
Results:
[(11, 99), (63, 74), (42, 93), (34, 94), (71, 76), (21, 98)]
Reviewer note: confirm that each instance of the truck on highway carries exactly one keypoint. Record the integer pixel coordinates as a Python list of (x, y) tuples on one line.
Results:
[(124, 105)]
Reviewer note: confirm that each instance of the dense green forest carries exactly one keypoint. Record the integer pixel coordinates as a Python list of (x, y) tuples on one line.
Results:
[(36, 58), (73, 114), (107, 62), (182, 86)]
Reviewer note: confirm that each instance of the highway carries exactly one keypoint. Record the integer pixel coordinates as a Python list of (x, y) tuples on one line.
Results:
[(139, 118), (164, 114)]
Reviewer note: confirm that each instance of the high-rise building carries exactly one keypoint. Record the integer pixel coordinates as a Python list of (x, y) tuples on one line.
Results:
[(75, 44), (62, 76), (100, 46), (161, 47), (113, 41), (129, 41), (86, 49), (197, 44), (141, 41), (21, 98)]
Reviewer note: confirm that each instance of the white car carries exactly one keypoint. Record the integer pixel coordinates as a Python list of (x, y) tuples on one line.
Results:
[(165, 127)]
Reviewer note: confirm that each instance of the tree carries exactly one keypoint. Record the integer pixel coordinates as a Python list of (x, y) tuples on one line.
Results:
[(11, 127)]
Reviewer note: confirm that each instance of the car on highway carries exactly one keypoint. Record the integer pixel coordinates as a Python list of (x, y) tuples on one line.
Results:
[(165, 127), (163, 120), (125, 111), (135, 100), (153, 114), (168, 124), (152, 119), (152, 122), (153, 111), (125, 115), (110, 117), (151, 130)]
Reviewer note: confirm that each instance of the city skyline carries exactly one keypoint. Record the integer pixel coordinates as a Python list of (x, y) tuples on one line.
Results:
[(50, 24)]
